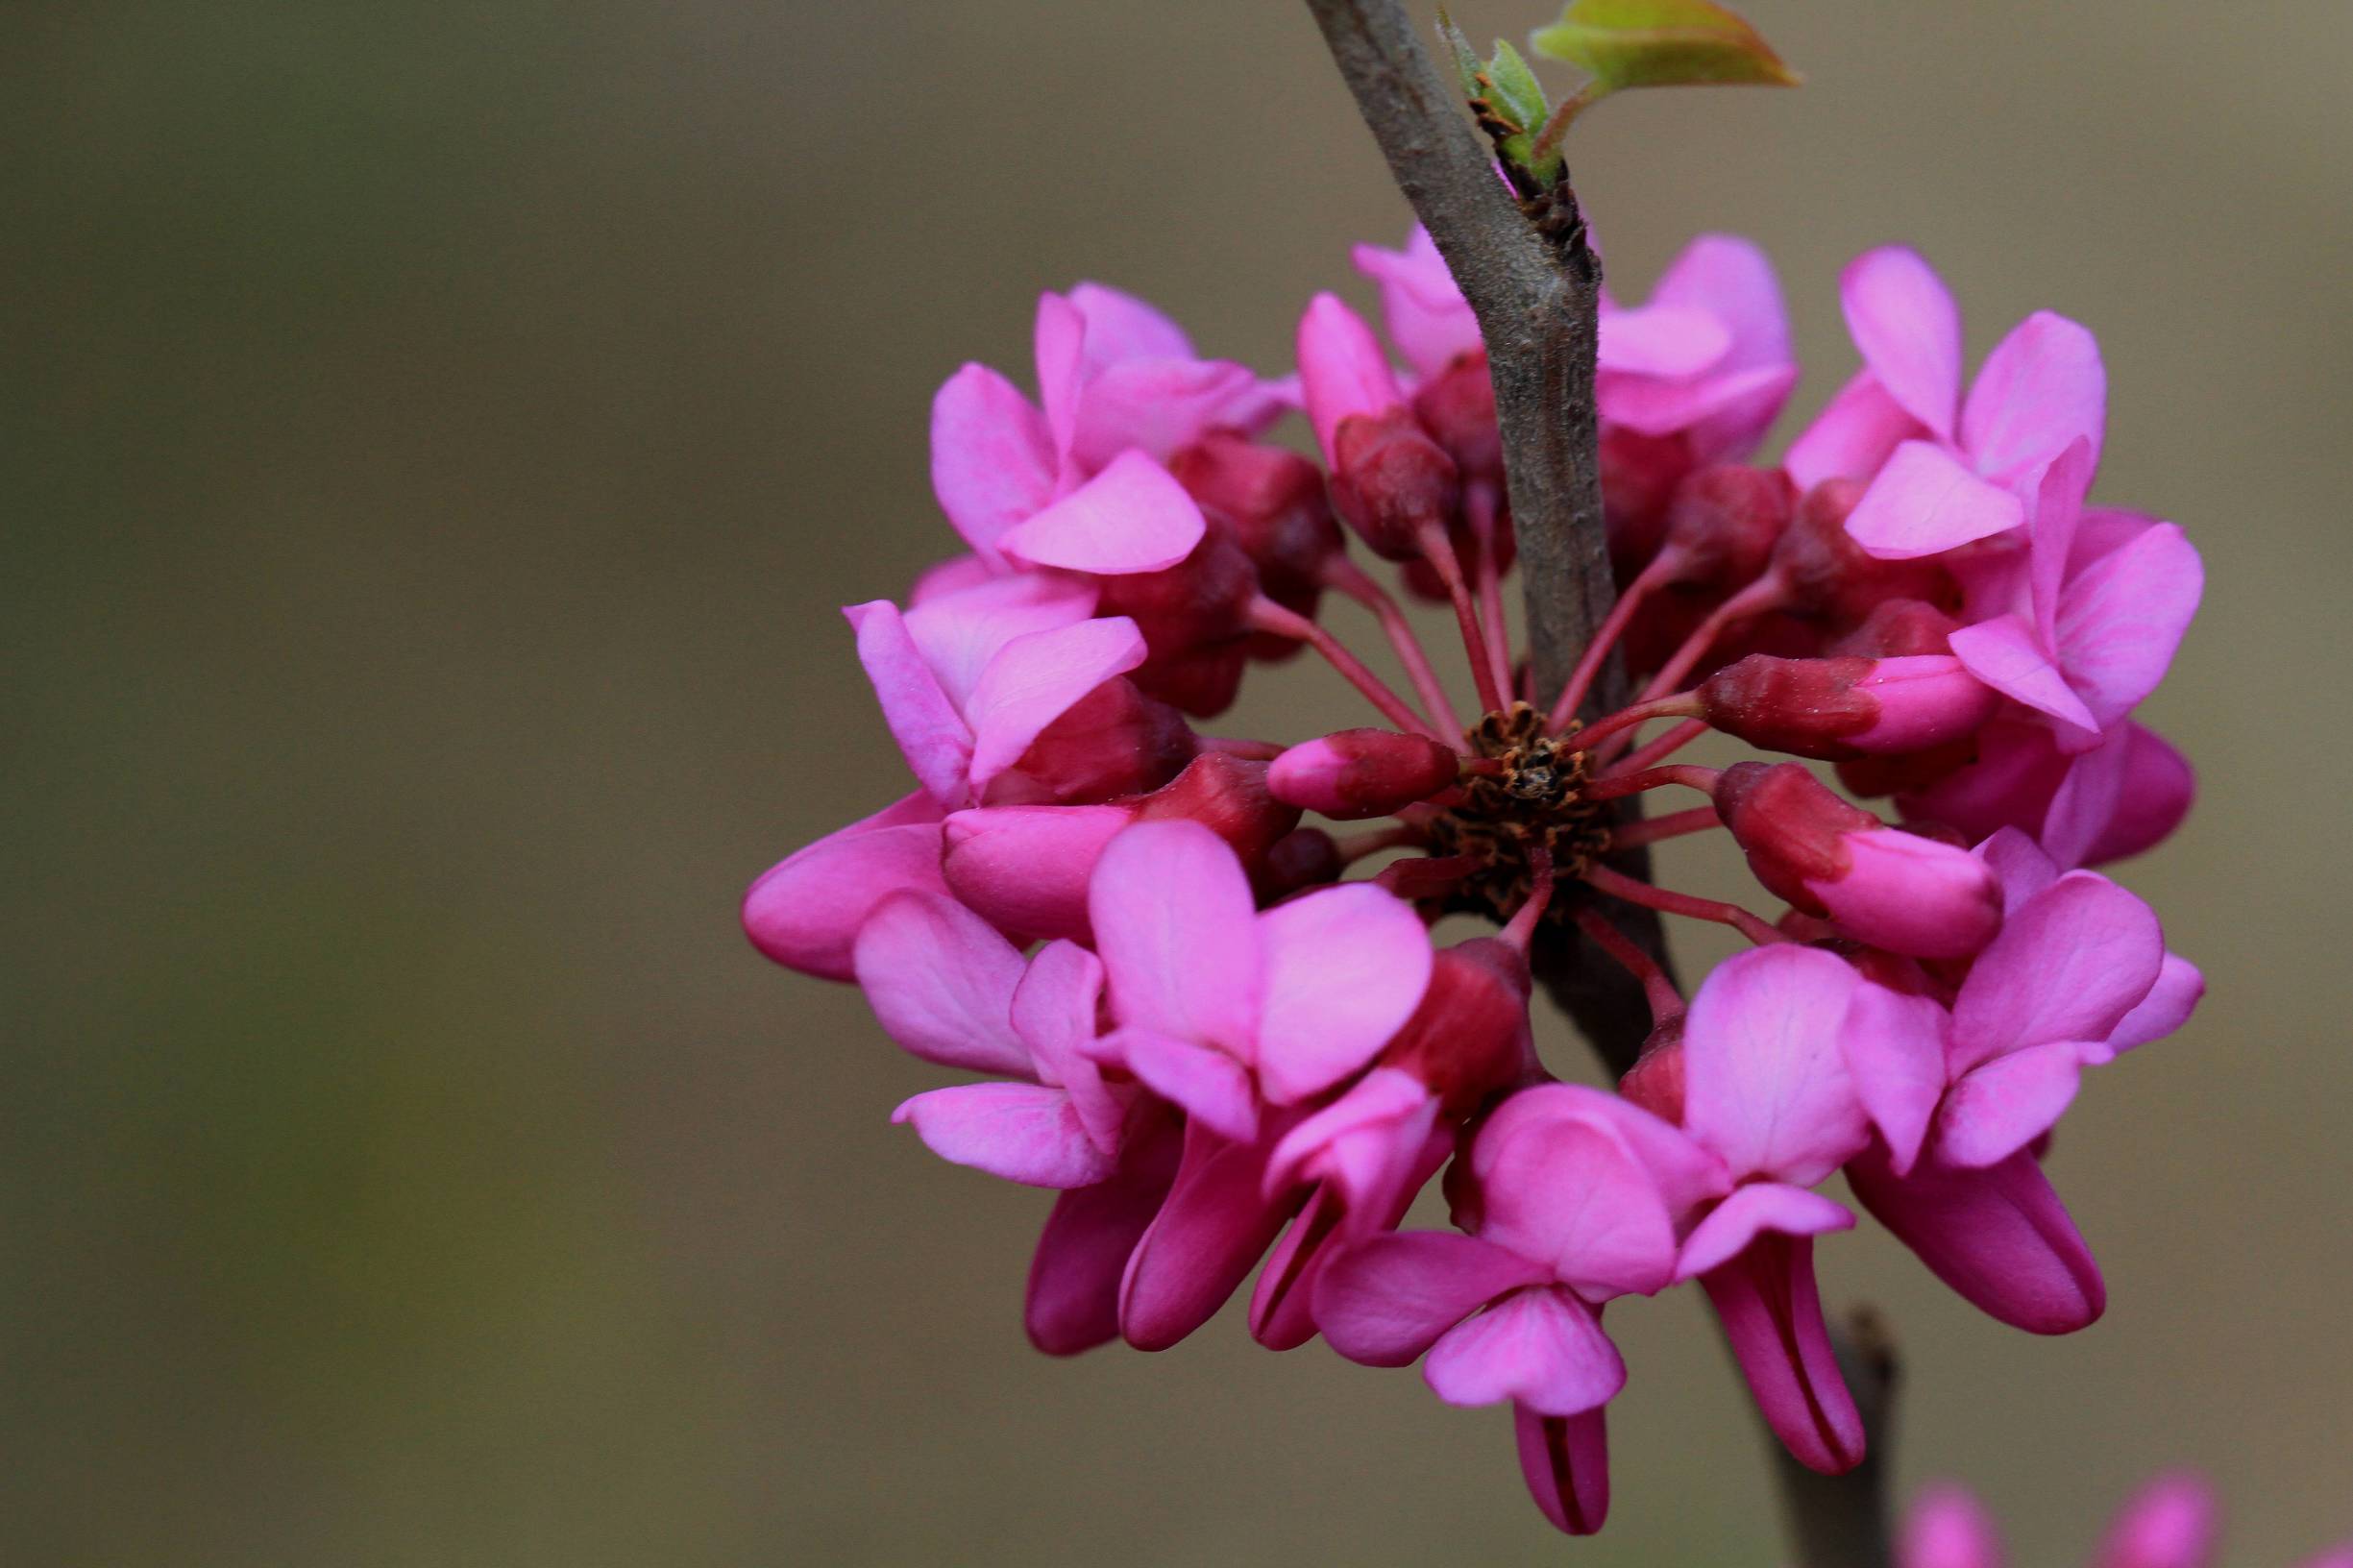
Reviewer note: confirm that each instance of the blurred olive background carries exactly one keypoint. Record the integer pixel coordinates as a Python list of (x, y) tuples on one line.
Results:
[(438, 438)]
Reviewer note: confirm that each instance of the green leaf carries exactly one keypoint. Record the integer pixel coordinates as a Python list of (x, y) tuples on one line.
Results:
[(1514, 93), (1659, 43), (1466, 59)]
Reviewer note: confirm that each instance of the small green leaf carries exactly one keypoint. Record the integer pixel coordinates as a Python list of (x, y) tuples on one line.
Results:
[(1466, 59), (1659, 43), (1513, 91)]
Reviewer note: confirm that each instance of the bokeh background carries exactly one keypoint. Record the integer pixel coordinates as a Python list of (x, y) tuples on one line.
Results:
[(438, 438)]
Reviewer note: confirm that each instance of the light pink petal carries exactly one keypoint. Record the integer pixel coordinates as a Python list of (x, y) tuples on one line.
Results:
[(2166, 1008), (1342, 372), (2006, 655), (1037, 678), (1073, 1296), (1425, 313), (1912, 894), (2022, 866), (804, 912), (1386, 1301), (2173, 1522), (1895, 1050), (1662, 340), (1684, 1174), (1766, 1085), (1178, 932), (932, 735), (1853, 436), (1119, 326), (1924, 502), (1156, 406), (1540, 1347), (1732, 279), (2089, 794), (1567, 1191), (1756, 1210), (2000, 1237), (959, 632), (992, 460), (1386, 1105), (1655, 406), (1215, 1225), (951, 576), (1906, 322), (1947, 1528), (1132, 517), (1209, 1085), (2041, 388), (1772, 1314), (2058, 510), (1026, 1133), (1345, 967), (1060, 338), (1565, 1461), (940, 981), (1053, 1012), (2068, 965), (1025, 869), (2121, 619), (2155, 790), (1997, 1109)]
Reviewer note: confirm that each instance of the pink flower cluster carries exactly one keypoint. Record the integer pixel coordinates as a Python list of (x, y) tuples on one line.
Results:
[(2172, 1522), (1225, 1053)]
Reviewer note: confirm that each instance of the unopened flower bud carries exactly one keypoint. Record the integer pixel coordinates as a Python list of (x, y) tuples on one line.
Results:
[(1639, 474), (1305, 857), (1357, 774), (1724, 522), (1273, 504), (1656, 1079), (1829, 574), (1829, 858), (1457, 406), (1113, 741), (1899, 628), (1227, 796), (1343, 374), (1837, 708), (1390, 479), (1470, 1037)]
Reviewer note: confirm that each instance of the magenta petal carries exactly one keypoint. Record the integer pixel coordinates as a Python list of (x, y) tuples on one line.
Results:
[(2156, 788), (1661, 340), (1732, 279), (2173, 1522), (1924, 501), (805, 911), (1386, 1301), (1906, 322), (941, 982), (1345, 968), (1215, 1225), (2058, 513), (1121, 327), (2022, 866), (1772, 1316), (1358, 1141), (930, 732), (1026, 1133), (2166, 1008), (1177, 929), (1155, 406), (2000, 1237), (1132, 517), (1025, 869), (1425, 313), (1947, 1528), (2121, 619), (1054, 1013), (2005, 654), (1997, 1109), (1766, 1085), (1569, 1192), (1895, 1050), (1210, 1086), (1281, 1317), (1517, 1140), (1912, 894), (958, 632), (2068, 965), (992, 460), (1541, 1347), (2041, 388), (1565, 1461), (1853, 436), (1073, 1300), (1036, 679), (1059, 337), (1760, 1208)]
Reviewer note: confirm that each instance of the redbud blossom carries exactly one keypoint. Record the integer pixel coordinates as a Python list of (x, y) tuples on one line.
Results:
[(1832, 708), (1355, 773)]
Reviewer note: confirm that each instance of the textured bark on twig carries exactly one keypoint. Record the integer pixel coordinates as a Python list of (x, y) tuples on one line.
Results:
[(1534, 285)]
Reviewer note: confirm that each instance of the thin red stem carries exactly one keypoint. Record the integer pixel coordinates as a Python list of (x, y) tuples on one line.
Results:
[(1422, 877), (1681, 705), (1672, 825), (1344, 576), (1766, 593), (1666, 746), (1521, 929), (1480, 500), (1267, 615), (1355, 846), (1618, 885), (1652, 778), (1439, 552), (1666, 1002), (1589, 665)]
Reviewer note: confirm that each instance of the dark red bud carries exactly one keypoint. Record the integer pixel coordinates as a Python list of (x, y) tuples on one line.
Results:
[(1205, 598), (1656, 1079), (1469, 1038), (1639, 474), (1789, 824), (1113, 740), (1274, 504), (1305, 857), (1357, 774), (1724, 522), (1828, 573), (1457, 406), (1899, 628), (1390, 479), (1806, 707), (1227, 796)]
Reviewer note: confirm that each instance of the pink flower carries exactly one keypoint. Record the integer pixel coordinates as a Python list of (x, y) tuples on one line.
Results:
[(2171, 1522), (1938, 481), (2114, 802), (1844, 707), (805, 912), (1575, 1193), (1424, 312), (1708, 357)]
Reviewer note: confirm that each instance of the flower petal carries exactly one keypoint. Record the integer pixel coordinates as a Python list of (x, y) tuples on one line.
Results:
[(2121, 619), (1073, 1296), (1999, 1236), (1025, 869), (1766, 1085), (1924, 502), (1906, 322), (1759, 1208), (1540, 1347), (2172, 1522), (1947, 1528), (2166, 1008), (1121, 327), (1565, 1190), (1345, 968), (1425, 313), (1662, 340), (1210, 1085), (1853, 436), (1132, 517), (2068, 965), (1895, 1050), (932, 735), (940, 981), (805, 911), (2154, 794), (1388, 1301), (1034, 679), (959, 632), (1772, 1314), (1178, 931), (2000, 1108), (1565, 1461), (2005, 654), (1213, 1226), (2041, 388), (1026, 1133), (992, 458), (1053, 1012), (2022, 866)]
